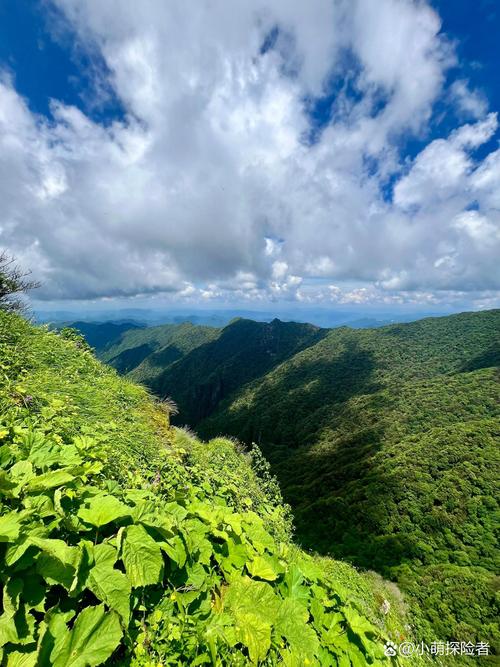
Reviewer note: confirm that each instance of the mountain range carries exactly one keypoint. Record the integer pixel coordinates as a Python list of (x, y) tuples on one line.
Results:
[(384, 441)]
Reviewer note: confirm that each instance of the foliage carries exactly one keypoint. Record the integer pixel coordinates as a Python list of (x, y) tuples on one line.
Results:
[(102, 335), (146, 352), (243, 351), (385, 443), (13, 282), (149, 554), (71, 333)]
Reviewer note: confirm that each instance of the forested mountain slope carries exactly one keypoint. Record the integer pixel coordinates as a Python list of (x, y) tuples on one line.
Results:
[(124, 541), (145, 352), (243, 351), (174, 343), (100, 335), (386, 444)]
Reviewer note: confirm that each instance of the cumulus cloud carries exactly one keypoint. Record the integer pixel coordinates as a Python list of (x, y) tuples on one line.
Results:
[(470, 103), (211, 187)]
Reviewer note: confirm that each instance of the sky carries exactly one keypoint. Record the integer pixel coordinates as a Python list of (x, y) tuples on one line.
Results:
[(332, 153)]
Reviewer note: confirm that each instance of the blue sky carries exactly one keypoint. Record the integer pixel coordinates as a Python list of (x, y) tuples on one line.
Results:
[(333, 154)]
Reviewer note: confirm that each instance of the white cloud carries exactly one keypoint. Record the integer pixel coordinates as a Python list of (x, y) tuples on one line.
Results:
[(470, 103), (207, 188)]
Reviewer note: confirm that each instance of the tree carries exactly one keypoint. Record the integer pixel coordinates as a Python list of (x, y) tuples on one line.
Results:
[(13, 282)]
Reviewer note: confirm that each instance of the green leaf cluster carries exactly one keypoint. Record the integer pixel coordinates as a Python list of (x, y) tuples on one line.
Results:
[(87, 574)]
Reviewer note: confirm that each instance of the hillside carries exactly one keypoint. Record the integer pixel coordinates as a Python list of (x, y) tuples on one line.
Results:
[(100, 335), (243, 351), (144, 352), (127, 542), (385, 443), (174, 344)]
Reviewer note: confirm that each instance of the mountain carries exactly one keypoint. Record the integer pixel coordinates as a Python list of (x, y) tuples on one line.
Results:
[(385, 443), (100, 335), (221, 317), (143, 351), (125, 541), (241, 352), (175, 341)]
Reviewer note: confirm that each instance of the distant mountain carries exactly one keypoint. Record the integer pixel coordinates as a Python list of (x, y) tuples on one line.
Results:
[(143, 351), (174, 342), (100, 335), (219, 317), (242, 351), (385, 442)]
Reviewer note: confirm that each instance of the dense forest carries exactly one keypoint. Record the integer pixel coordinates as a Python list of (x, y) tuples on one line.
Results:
[(384, 441)]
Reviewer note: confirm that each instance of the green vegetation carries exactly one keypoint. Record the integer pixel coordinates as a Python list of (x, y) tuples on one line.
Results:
[(14, 282), (124, 541), (242, 351), (144, 352), (174, 344), (385, 443), (102, 335)]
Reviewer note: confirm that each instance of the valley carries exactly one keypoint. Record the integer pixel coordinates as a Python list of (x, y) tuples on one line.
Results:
[(384, 441)]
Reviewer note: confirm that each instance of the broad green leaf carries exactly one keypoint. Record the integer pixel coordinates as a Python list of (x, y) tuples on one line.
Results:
[(6, 484), (234, 520), (197, 544), (360, 625), (238, 554), (258, 535), (308, 567), (42, 505), (54, 572), (255, 634), (11, 592), (10, 527), (8, 630), (105, 555), (175, 550), (175, 510), (248, 595), (44, 453), (91, 641), (231, 557), (25, 624), (103, 509), (113, 588), (49, 480), (18, 659), (6, 453), (17, 550), (264, 567), (221, 625), (292, 623), (197, 575), (293, 584), (21, 473), (58, 549), (53, 631), (85, 563), (69, 456), (34, 591), (142, 557), (58, 562)]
